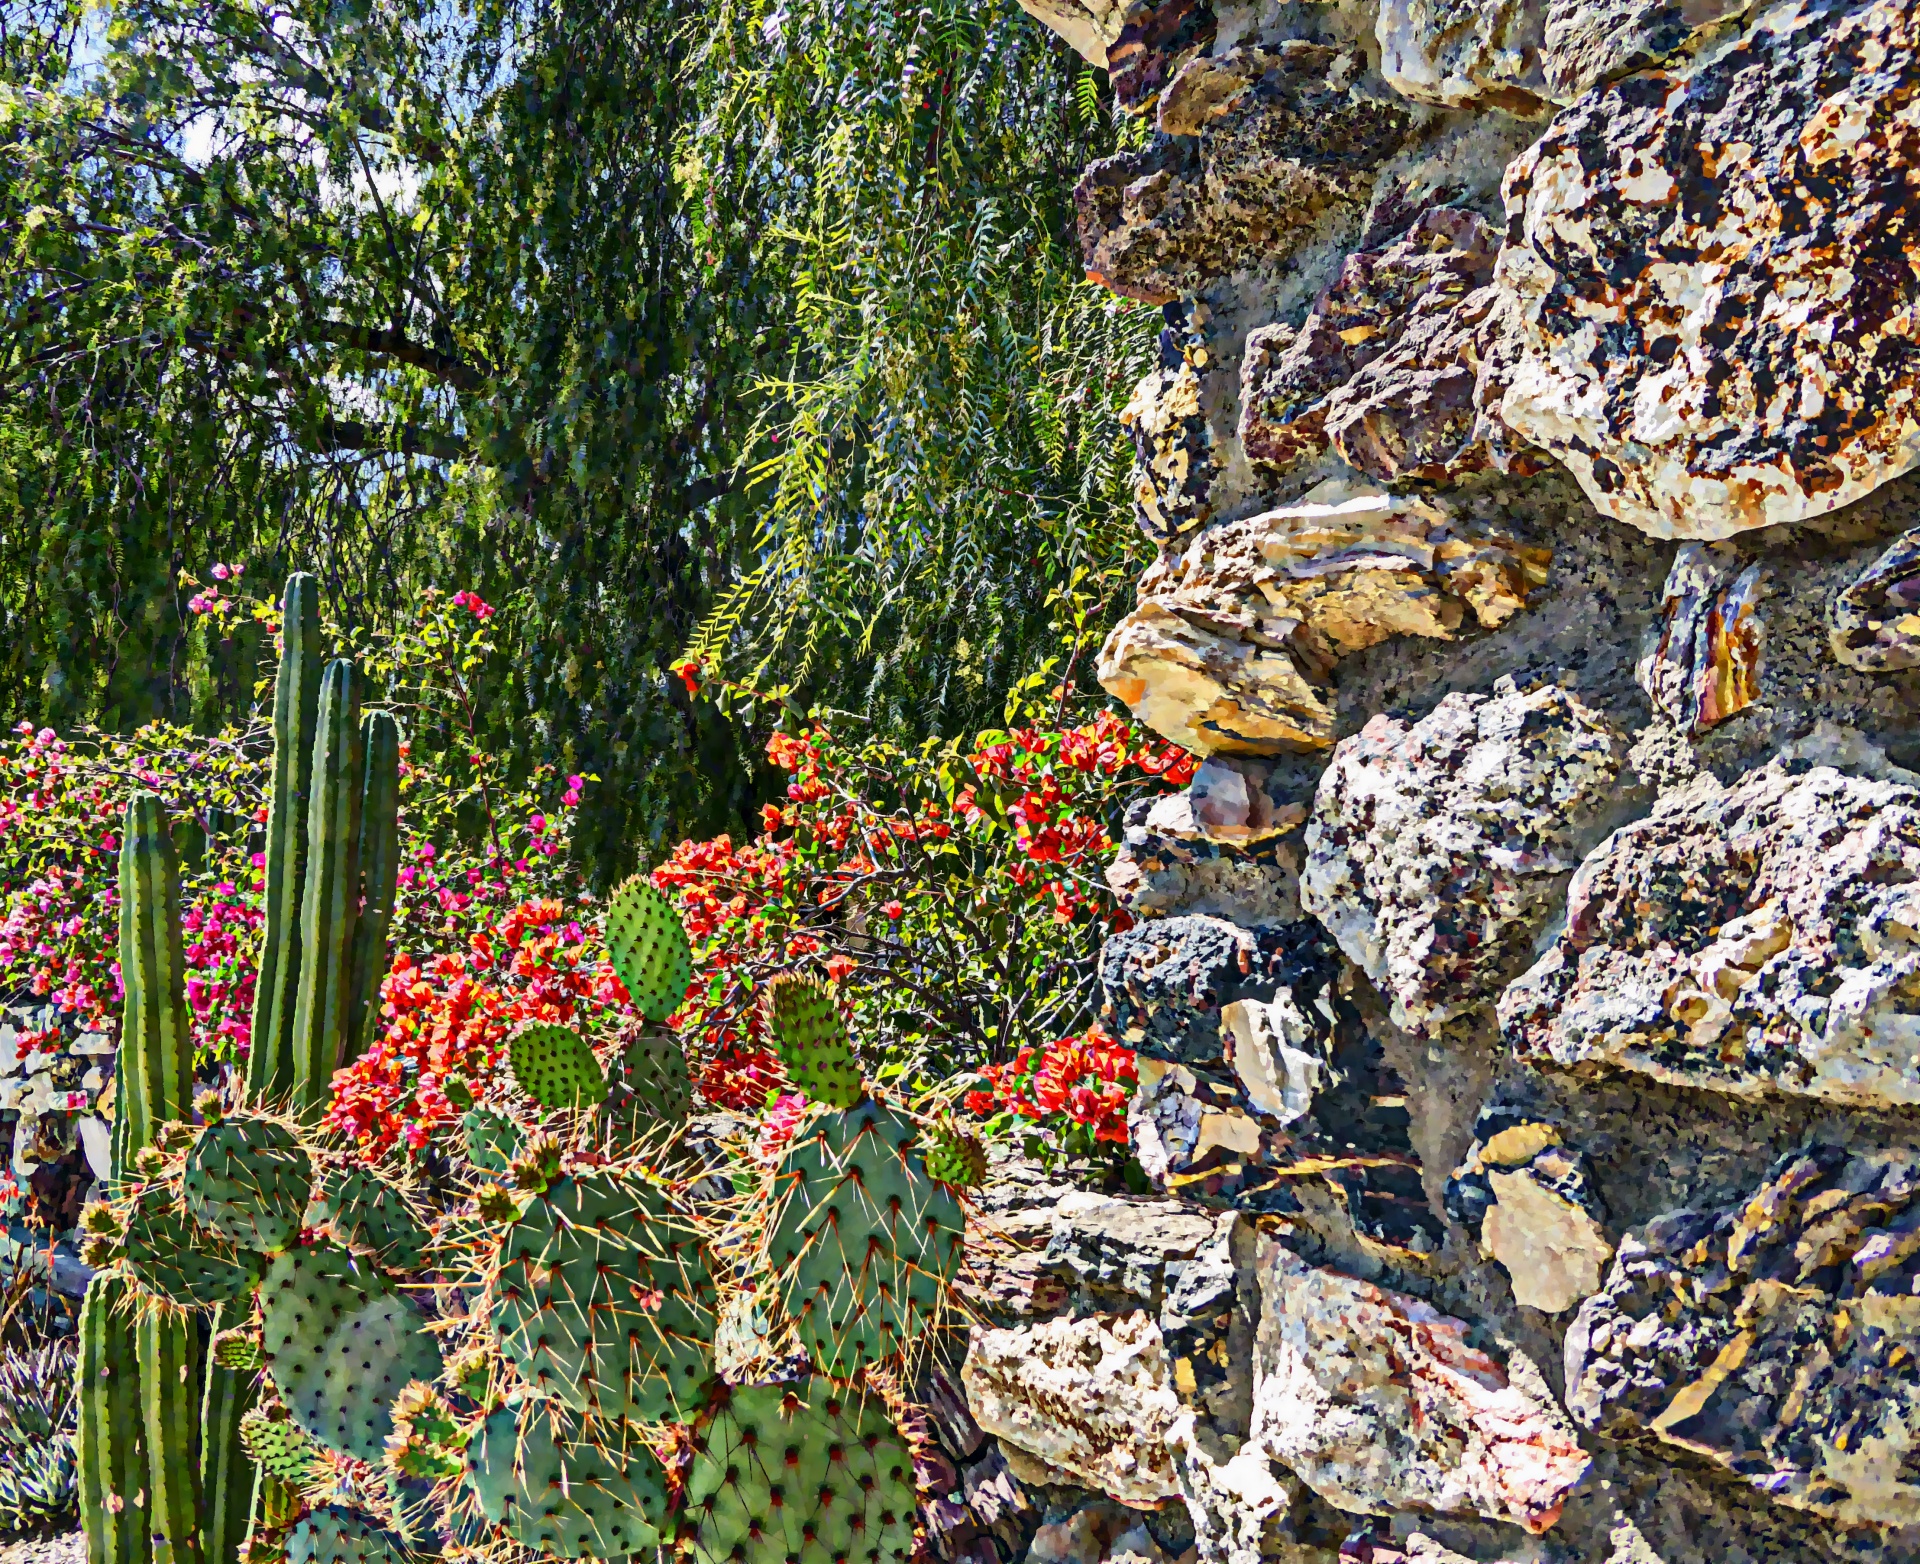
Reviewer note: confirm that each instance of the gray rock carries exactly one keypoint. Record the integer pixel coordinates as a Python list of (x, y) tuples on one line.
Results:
[(1653, 235), (1773, 1336), (1701, 662), (1107, 1245), (1875, 623), (1465, 53), (1588, 42), (1753, 939), (1436, 852)]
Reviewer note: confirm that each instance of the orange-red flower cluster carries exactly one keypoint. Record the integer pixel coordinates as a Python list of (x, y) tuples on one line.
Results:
[(1085, 1081)]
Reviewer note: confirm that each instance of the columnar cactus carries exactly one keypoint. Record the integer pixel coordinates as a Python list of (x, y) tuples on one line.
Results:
[(379, 878)]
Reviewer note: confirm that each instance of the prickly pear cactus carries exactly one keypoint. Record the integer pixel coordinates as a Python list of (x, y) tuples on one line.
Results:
[(238, 1350), (493, 1140), (554, 1066), (333, 1534), (800, 1474), (655, 1088), (247, 1179), (604, 1301), (427, 1439), (280, 1449), (364, 1211), (567, 1499), (955, 1156), (341, 1343), (649, 948), (169, 1257), (863, 1242), (812, 1042)]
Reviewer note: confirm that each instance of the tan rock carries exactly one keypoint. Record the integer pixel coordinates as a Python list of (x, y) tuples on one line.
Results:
[(1093, 1397), (1701, 663), (1555, 1252)]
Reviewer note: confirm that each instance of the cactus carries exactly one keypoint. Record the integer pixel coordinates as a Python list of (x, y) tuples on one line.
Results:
[(110, 1446), (554, 1066), (340, 1344), (335, 1535), (362, 1211), (649, 948), (427, 1440), (493, 1140), (955, 1156), (811, 1040), (331, 895), (168, 1347), (280, 1449), (863, 1242), (604, 1300), (296, 708), (564, 1497), (379, 879), (246, 1179), (174, 1261), (226, 1471), (649, 1084), (800, 1474)]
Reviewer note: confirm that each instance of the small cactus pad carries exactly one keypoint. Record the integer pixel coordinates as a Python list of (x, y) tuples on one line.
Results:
[(171, 1258), (554, 1066), (655, 1089), (247, 1179), (604, 1301), (863, 1241), (341, 1344), (811, 1040), (426, 1440), (237, 1349), (365, 1211), (493, 1140), (280, 1449), (800, 1474), (649, 948), (565, 1499), (955, 1156), (333, 1534)]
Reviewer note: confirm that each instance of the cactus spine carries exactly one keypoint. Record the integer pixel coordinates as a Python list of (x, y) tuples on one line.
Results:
[(379, 878), (296, 705), (331, 899)]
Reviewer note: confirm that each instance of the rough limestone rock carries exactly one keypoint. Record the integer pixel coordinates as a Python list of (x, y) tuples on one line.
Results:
[(1091, 26), (1716, 289), (1437, 851), (1774, 1336), (1753, 939), (1258, 141), (1588, 42), (1244, 1507), (1173, 466), (1104, 1244), (1530, 1198), (1378, 1402), (1236, 634), (1092, 1397), (1460, 56), (1166, 865), (1875, 623), (1158, 37), (1701, 662)]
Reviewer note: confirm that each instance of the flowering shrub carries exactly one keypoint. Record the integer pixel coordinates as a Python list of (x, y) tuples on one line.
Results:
[(1076, 1087), (953, 893)]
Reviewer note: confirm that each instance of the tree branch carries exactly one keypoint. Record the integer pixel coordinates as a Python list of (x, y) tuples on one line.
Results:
[(349, 434)]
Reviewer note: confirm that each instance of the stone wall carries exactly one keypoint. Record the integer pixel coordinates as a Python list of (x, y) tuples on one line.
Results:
[(1528, 986)]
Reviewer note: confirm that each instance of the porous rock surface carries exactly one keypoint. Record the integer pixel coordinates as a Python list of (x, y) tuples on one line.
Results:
[(1526, 990)]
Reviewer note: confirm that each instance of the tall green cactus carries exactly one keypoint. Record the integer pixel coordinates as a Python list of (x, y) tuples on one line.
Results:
[(331, 902), (110, 1440), (296, 708), (379, 878), (226, 1475)]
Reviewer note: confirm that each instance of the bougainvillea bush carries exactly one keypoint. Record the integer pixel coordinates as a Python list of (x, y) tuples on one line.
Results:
[(953, 893)]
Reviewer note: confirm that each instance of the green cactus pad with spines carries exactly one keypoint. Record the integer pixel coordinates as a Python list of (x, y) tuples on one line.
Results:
[(955, 1156), (649, 948), (247, 1179), (605, 1302), (493, 1140), (341, 1343), (333, 1534), (366, 1212), (426, 1441), (807, 1033), (172, 1258), (237, 1350), (554, 1066), (652, 1070), (567, 1499), (281, 1449), (863, 1241), (806, 1473)]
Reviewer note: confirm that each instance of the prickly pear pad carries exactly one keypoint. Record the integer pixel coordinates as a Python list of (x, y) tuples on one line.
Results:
[(247, 1179), (335, 1535), (652, 1073), (649, 948), (604, 1301), (863, 1242), (366, 1212), (811, 1040), (341, 1344), (800, 1474), (280, 1449), (554, 1066), (493, 1140), (171, 1258), (955, 1156), (568, 1499)]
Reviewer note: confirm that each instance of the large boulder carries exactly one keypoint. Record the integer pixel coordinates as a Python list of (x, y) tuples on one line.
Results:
[(1713, 271)]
